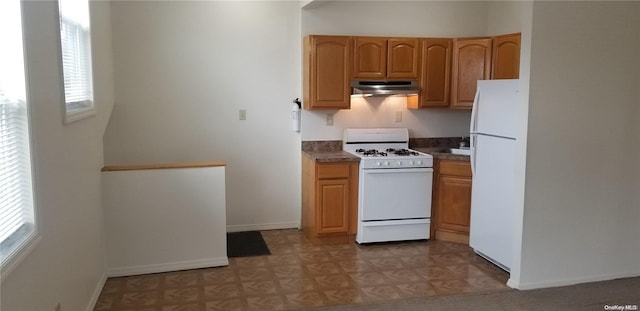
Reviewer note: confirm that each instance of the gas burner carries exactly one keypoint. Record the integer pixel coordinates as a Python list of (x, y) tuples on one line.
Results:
[(371, 153), (402, 152), (374, 153)]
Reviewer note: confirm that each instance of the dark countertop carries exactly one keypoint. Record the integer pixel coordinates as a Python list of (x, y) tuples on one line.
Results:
[(331, 156), (331, 150), (341, 156), (438, 154)]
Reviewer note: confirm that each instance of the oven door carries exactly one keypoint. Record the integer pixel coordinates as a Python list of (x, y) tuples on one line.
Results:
[(388, 194)]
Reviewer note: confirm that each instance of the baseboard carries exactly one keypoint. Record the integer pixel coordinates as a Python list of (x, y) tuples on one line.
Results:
[(557, 283), (165, 267), (259, 227), (447, 236), (513, 284), (96, 292)]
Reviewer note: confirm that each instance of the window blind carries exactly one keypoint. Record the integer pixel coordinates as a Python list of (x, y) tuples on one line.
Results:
[(76, 54), (17, 221), (15, 182)]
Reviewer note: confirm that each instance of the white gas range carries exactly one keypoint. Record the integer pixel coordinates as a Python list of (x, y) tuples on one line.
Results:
[(394, 195)]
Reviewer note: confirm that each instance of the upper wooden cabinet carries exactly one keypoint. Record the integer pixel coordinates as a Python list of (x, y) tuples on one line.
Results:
[(506, 57), (402, 60), (435, 75), (327, 72), (471, 62), (447, 69), (370, 58), (386, 58)]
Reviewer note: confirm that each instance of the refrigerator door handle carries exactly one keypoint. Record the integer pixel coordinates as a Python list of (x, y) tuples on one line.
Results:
[(473, 140), (473, 125)]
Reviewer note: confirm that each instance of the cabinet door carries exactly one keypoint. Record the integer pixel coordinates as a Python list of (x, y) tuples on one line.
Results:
[(471, 62), (327, 72), (506, 57), (435, 74), (332, 206), (402, 58), (370, 58), (454, 204)]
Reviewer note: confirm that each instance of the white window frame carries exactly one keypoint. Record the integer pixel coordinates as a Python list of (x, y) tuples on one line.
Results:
[(76, 60), (23, 238)]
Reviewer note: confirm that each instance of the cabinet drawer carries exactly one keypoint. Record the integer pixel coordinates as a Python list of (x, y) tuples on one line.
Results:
[(333, 170), (457, 168)]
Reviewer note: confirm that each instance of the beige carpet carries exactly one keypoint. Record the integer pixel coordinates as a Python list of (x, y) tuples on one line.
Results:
[(589, 296)]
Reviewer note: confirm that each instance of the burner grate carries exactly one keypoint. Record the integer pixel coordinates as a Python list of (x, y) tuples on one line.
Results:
[(371, 152), (402, 152)]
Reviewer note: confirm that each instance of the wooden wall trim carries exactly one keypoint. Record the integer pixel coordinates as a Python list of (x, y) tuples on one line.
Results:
[(161, 166)]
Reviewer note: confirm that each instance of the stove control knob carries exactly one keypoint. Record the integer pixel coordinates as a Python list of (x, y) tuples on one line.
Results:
[(378, 163), (419, 162), (410, 162), (386, 163), (400, 163)]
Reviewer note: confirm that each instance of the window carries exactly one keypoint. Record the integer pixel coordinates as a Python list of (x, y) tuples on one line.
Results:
[(17, 221), (75, 42)]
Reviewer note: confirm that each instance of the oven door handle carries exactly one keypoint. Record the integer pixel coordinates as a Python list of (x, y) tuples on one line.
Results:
[(398, 170)]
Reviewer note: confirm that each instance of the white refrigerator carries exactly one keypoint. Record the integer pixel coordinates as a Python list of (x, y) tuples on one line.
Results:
[(493, 131)]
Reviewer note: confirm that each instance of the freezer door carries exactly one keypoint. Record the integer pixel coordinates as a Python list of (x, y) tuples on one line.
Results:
[(496, 109), (493, 200)]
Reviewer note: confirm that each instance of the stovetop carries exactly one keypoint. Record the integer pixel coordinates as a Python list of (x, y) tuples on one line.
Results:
[(384, 148), (387, 152), (392, 158)]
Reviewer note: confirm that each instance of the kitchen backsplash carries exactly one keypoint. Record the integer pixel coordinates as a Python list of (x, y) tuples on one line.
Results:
[(322, 145), (448, 142)]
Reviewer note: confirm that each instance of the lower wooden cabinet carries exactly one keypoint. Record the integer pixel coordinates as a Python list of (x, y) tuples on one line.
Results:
[(452, 201), (332, 209), (329, 198)]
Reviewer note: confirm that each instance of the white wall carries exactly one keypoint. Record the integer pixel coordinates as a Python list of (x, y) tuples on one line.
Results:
[(68, 264), (508, 17), (183, 70), (581, 205), (392, 18), (162, 220), (397, 18)]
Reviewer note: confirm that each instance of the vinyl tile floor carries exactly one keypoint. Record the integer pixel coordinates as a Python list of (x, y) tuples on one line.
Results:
[(301, 274)]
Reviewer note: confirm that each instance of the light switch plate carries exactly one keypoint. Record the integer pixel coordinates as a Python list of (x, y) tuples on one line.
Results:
[(243, 114), (329, 119), (398, 117)]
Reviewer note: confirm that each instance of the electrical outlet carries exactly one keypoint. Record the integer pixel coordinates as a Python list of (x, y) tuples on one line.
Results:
[(398, 117), (243, 114), (329, 119), (58, 308)]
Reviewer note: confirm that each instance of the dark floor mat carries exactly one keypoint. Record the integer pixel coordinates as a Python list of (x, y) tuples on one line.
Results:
[(245, 244)]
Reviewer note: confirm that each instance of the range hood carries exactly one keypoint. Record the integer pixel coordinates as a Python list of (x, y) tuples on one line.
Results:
[(384, 88)]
